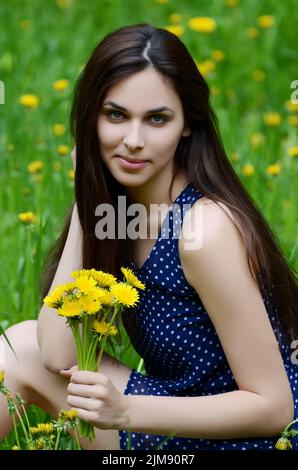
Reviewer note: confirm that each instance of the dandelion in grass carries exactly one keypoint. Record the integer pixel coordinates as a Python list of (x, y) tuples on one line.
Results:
[(28, 218), (63, 149), (29, 101), (92, 302), (61, 84), (35, 167)]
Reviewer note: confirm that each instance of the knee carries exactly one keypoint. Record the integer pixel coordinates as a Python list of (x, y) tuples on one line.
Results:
[(22, 345)]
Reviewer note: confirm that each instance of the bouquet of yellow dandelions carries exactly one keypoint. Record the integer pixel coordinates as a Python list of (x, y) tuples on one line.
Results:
[(90, 305)]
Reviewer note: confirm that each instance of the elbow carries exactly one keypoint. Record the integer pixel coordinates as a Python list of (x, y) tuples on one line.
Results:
[(281, 414)]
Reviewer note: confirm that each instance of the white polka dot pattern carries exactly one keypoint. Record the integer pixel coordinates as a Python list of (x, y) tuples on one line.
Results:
[(181, 350)]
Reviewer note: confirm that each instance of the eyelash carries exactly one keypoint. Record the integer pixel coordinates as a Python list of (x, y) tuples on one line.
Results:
[(157, 114)]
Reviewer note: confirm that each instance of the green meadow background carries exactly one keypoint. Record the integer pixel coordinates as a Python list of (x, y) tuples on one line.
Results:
[(249, 58)]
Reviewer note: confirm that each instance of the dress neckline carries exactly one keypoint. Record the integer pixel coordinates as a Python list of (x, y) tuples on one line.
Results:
[(147, 260)]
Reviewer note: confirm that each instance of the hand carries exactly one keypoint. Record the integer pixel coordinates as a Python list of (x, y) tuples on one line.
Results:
[(96, 399), (73, 157)]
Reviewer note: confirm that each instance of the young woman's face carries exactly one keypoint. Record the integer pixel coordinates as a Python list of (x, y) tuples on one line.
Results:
[(137, 132)]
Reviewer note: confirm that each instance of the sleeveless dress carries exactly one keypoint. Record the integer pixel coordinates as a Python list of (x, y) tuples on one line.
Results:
[(171, 330)]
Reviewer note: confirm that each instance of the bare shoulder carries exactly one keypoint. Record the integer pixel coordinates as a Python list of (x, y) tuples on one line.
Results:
[(208, 217), (208, 232)]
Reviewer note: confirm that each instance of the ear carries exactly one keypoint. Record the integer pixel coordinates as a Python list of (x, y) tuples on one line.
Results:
[(186, 132)]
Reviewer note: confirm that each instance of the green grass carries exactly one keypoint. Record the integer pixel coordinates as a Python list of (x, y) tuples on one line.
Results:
[(55, 42)]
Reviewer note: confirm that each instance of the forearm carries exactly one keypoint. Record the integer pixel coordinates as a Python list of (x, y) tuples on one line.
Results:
[(237, 414), (54, 336)]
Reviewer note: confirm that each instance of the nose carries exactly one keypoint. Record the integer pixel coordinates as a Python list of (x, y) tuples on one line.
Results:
[(133, 139)]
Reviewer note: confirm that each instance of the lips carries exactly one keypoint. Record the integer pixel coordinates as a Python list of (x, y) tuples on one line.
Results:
[(131, 160), (130, 164)]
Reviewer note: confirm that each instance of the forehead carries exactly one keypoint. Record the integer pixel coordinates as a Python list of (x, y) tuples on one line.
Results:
[(143, 91)]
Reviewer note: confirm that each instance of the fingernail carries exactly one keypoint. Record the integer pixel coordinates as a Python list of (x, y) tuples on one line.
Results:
[(67, 368)]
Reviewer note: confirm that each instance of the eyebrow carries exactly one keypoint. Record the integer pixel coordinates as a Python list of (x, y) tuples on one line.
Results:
[(156, 110)]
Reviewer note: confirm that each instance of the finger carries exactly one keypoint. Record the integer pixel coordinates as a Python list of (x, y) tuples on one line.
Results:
[(89, 378), (68, 372), (87, 391), (88, 416), (88, 404)]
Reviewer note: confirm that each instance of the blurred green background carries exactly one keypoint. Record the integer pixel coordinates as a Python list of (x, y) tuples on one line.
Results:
[(248, 53)]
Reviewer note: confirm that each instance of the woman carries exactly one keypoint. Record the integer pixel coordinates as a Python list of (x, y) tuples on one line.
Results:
[(218, 318)]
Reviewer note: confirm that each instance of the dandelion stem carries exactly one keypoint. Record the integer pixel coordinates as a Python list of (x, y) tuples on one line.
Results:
[(16, 431), (58, 438)]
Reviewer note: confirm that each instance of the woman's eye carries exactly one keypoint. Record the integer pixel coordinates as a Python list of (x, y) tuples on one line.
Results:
[(162, 117), (159, 121), (113, 112)]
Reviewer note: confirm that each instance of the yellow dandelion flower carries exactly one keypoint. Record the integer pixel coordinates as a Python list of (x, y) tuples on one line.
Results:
[(90, 304), (258, 75), (85, 284), (274, 169), (248, 169), (68, 415), (55, 298), (176, 29), (293, 120), (42, 428), (57, 166), (105, 296), (71, 175), (63, 149), (202, 24), (70, 308), (217, 55), (35, 167), (175, 18), (27, 218), (104, 328), (15, 448), (272, 119), (60, 85), (206, 67), (283, 444), (132, 279), (125, 294), (292, 107), (103, 279), (252, 32), (256, 139), (266, 21), (58, 129), (293, 151), (29, 101), (1, 377)]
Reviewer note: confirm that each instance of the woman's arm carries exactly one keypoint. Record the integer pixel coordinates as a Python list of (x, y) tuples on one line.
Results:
[(54, 336), (263, 405)]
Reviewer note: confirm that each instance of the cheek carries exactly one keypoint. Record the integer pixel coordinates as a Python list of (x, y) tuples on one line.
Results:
[(107, 133)]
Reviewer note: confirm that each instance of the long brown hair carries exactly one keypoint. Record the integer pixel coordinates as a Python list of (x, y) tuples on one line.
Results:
[(201, 156)]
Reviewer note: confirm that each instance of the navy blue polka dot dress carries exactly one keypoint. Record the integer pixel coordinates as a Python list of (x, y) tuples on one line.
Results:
[(182, 354)]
